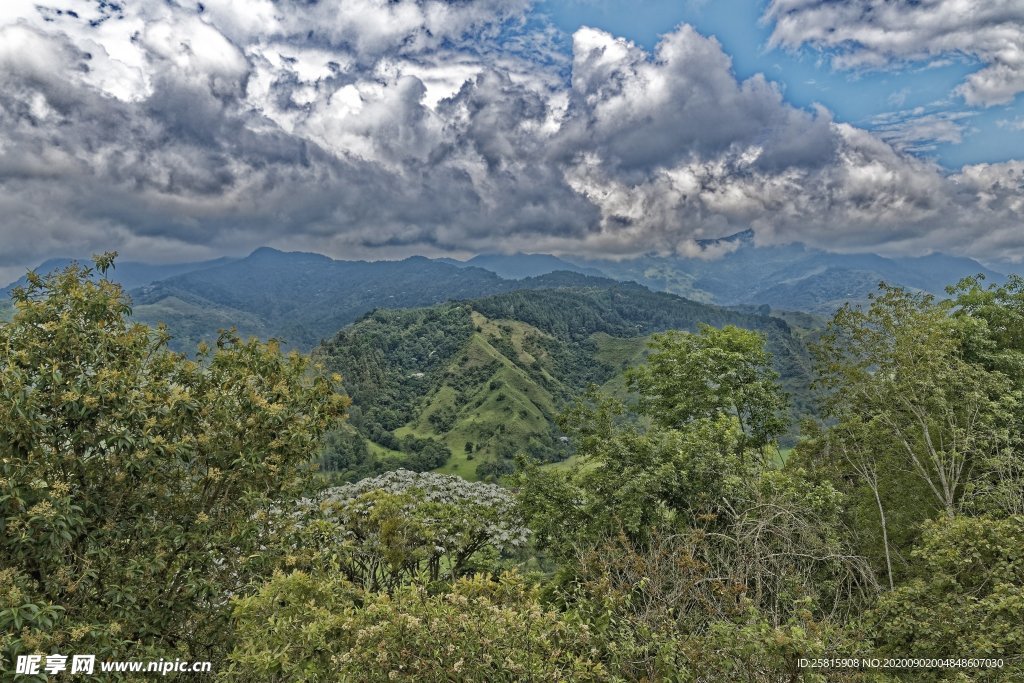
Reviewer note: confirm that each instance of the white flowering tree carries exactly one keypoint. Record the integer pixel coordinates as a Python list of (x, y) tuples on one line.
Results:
[(404, 526)]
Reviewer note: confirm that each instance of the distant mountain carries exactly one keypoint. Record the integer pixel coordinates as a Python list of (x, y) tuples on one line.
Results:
[(794, 276), (302, 298), (484, 379), (739, 237), (518, 266), (128, 274), (1009, 268)]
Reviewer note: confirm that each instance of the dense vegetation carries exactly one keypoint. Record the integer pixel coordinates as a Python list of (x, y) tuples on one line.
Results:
[(136, 484), (158, 506), (478, 382), (301, 299)]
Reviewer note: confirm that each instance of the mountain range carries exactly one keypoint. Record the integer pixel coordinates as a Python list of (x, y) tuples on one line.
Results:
[(788, 277), (458, 365), (303, 298)]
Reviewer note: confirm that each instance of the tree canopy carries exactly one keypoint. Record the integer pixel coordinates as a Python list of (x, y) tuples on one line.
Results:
[(135, 483)]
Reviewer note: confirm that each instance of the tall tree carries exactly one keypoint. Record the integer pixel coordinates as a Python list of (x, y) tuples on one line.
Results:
[(135, 484), (898, 369), (712, 373)]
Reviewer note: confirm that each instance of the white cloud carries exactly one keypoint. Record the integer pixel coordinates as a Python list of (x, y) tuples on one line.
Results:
[(875, 33), (920, 130), (167, 131)]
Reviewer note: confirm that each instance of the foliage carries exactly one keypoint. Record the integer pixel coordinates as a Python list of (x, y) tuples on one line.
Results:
[(712, 373), (634, 480), (135, 483), (899, 370), (144, 496), (967, 598), (999, 310), (659, 611), (299, 628), (293, 629), (402, 527)]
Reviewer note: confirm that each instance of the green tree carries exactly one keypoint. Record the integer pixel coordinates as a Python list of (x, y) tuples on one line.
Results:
[(999, 309), (715, 372), (967, 598), (311, 628), (135, 484), (898, 369)]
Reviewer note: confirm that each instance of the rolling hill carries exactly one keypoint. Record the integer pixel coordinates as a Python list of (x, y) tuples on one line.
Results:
[(485, 378), (302, 298)]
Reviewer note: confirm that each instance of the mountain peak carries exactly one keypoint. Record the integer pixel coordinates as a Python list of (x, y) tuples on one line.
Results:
[(271, 254), (744, 236)]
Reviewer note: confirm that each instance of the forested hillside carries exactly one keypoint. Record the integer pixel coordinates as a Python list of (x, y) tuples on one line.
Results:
[(465, 387), (301, 299), (167, 508)]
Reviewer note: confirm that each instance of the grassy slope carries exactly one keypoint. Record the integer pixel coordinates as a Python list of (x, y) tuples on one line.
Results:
[(517, 408), (620, 353), (496, 386), (527, 407)]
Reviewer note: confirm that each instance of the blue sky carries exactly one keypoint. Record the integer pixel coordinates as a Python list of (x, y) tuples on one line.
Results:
[(857, 96)]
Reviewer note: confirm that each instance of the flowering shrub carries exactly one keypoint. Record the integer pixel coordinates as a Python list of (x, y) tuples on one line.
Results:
[(404, 526)]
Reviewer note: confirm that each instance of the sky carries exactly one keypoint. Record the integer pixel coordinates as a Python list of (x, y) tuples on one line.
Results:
[(175, 130)]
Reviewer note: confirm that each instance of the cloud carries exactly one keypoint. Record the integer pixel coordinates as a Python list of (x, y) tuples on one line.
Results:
[(426, 127), (1013, 124), (641, 112), (876, 33), (919, 130)]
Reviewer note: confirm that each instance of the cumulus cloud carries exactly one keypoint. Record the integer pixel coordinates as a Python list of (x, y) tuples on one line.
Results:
[(874, 33), (174, 131)]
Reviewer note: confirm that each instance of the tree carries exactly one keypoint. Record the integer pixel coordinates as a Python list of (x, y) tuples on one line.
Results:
[(631, 479), (135, 484), (899, 369), (968, 597), (998, 343), (714, 372), (403, 526)]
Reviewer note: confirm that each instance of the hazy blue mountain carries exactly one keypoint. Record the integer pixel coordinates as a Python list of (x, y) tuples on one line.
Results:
[(302, 298), (1009, 268), (129, 274), (793, 276), (518, 266)]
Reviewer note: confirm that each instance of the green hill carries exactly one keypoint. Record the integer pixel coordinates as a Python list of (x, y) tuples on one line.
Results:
[(301, 299), (463, 387)]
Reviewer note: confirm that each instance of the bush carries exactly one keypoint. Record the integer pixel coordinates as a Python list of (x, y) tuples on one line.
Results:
[(301, 628)]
